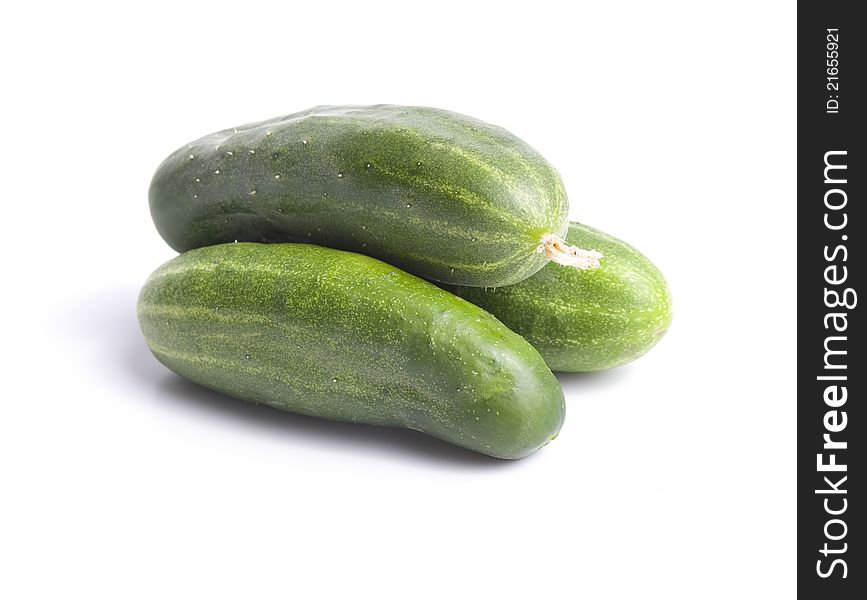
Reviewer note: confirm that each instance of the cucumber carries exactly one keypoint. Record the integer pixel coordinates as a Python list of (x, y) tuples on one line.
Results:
[(438, 194), (346, 337), (585, 320)]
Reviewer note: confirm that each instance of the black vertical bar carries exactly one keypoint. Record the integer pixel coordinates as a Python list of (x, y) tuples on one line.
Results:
[(832, 562)]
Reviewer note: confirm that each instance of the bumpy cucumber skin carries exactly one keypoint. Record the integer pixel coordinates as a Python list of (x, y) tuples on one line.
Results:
[(585, 320), (346, 337), (438, 194)]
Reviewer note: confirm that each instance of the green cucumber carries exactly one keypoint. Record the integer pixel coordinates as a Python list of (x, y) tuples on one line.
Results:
[(585, 320), (346, 337), (439, 194)]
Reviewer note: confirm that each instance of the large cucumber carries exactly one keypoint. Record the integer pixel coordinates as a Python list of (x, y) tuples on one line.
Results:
[(436, 193), (346, 337), (585, 320)]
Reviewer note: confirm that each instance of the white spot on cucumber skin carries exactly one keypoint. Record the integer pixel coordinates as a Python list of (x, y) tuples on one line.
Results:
[(276, 177), (198, 180), (340, 174), (253, 193), (192, 157), (217, 172), (252, 152), (230, 154), (268, 133), (304, 142)]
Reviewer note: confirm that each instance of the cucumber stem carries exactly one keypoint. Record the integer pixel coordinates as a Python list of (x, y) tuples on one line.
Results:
[(557, 250)]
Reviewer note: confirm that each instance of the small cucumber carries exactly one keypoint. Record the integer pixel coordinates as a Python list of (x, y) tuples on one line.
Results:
[(441, 195), (346, 337), (585, 320)]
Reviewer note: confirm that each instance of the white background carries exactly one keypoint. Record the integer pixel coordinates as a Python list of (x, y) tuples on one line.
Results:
[(673, 126)]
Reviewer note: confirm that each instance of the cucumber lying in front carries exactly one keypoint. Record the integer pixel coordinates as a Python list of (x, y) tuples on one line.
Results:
[(439, 194), (585, 320), (346, 337)]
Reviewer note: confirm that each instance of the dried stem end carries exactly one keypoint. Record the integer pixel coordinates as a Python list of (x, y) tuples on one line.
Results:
[(557, 250)]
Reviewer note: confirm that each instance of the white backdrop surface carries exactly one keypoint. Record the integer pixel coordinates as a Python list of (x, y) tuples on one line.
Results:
[(673, 126)]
